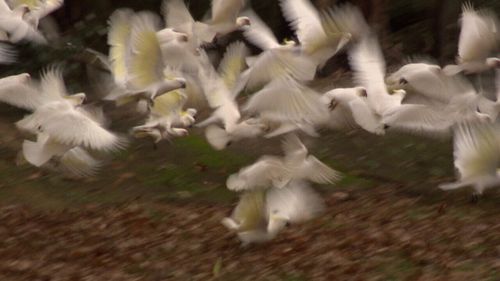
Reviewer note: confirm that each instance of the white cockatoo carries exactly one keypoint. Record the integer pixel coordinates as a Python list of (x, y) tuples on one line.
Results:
[(261, 214), (178, 17), (225, 17), (58, 120), (479, 37), (348, 108), (223, 20), (15, 23), (436, 102), (276, 60), (290, 104), (167, 118), (477, 156), (368, 65), (137, 60), (218, 87), (273, 171), (318, 34)]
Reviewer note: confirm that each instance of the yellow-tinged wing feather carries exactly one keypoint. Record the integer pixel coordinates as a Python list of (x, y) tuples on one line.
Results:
[(250, 210), (32, 4), (146, 64), (120, 28), (169, 103), (233, 63)]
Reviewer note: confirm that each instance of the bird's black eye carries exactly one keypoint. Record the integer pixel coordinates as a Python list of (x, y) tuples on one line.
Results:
[(229, 143), (403, 81), (386, 126), (287, 224)]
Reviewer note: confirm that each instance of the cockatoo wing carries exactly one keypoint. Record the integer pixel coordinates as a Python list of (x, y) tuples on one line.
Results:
[(365, 117), (259, 33), (40, 152), (44, 7), (350, 20), (177, 16), (146, 62), (287, 100), (67, 125), (18, 91), (297, 201), (120, 27), (249, 212), (264, 173), (214, 87), (171, 103), (316, 171), (368, 64), (52, 84), (305, 21), (226, 11), (478, 34), (420, 119), (233, 63), (78, 162), (273, 64), (476, 149)]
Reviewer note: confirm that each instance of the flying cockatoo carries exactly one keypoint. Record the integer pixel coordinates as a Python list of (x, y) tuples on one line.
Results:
[(348, 108), (276, 60), (138, 62), (479, 37), (436, 102), (273, 171), (218, 86), (261, 214), (167, 118), (319, 35), (290, 104), (368, 64), (58, 120), (477, 156)]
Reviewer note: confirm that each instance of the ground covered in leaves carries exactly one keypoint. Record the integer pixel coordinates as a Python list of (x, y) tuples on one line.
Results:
[(380, 235)]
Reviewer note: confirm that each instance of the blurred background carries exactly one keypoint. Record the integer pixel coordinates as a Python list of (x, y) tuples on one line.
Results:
[(154, 213)]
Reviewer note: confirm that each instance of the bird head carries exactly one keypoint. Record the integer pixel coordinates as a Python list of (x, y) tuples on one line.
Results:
[(243, 21), (277, 222), (361, 91), (182, 82)]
